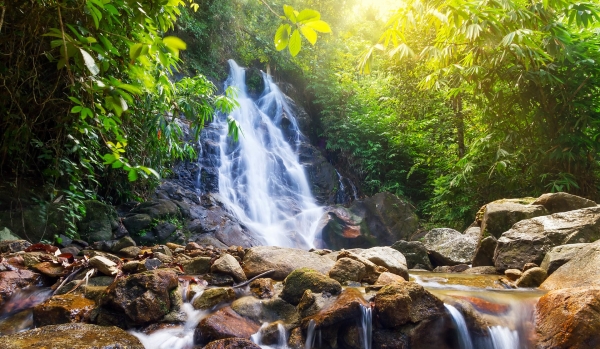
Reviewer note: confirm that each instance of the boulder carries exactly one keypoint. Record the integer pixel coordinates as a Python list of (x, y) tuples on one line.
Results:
[(12, 280), (459, 268), (500, 215), (569, 318), (415, 253), (283, 261), (560, 255), (388, 258), (157, 209), (122, 243), (563, 202), (143, 297), (513, 274), (227, 264), (529, 240), (99, 222), (224, 323), (262, 288), (137, 224), (266, 310), (532, 277), (372, 270), (484, 253), (104, 265), (346, 269), (7, 235), (232, 343), (321, 175), (347, 307), (12, 246), (449, 247), (214, 296), (71, 336), (388, 278), (484, 270), (307, 279), (581, 270), (62, 309), (198, 265)]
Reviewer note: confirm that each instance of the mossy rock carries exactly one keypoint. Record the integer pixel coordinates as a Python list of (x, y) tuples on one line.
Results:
[(304, 279)]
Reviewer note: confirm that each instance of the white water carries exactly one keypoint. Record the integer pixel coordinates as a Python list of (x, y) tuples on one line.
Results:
[(366, 327), (464, 338), (260, 178)]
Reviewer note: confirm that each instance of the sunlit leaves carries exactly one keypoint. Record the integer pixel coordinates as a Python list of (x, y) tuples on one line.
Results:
[(174, 43), (282, 37), (295, 43), (305, 23)]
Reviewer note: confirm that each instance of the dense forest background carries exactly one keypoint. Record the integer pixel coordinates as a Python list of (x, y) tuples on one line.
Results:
[(450, 104)]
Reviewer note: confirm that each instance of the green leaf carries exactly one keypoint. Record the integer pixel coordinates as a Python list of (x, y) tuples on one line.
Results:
[(108, 45), (289, 13), (135, 50), (89, 61), (308, 15), (108, 159), (295, 43), (174, 43), (309, 34), (132, 176), (282, 37), (320, 26), (76, 109)]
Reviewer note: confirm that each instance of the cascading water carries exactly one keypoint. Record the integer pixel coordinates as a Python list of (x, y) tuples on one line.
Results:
[(464, 338), (260, 177)]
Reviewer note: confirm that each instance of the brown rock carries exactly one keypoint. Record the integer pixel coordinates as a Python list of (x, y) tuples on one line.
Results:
[(104, 265), (304, 279), (372, 270), (459, 268), (262, 288), (569, 318), (224, 323), (53, 270), (198, 265), (296, 340), (347, 307), (483, 270), (346, 269), (260, 259), (388, 278), (15, 279), (532, 277), (513, 274), (232, 343), (62, 309), (563, 202), (581, 270), (227, 264), (528, 266), (214, 296)]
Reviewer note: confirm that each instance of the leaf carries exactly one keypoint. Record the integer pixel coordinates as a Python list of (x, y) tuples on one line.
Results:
[(135, 50), (295, 43), (282, 37), (309, 34), (308, 15), (289, 13), (89, 61), (108, 45), (320, 26), (132, 176), (174, 43)]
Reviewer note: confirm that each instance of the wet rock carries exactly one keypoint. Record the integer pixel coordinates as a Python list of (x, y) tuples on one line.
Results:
[(283, 260), (266, 310), (529, 240), (459, 268), (232, 343), (307, 279), (346, 269), (122, 243), (415, 253), (484, 253), (296, 340), (227, 264), (50, 269), (388, 258), (500, 215), (62, 309), (528, 266), (157, 209), (486, 270), (72, 336), (563, 202), (224, 323), (560, 255), (569, 318), (312, 303), (372, 270), (581, 270), (162, 249), (163, 258), (408, 302), (149, 264), (71, 249), (99, 221), (143, 297), (104, 265), (532, 277), (15, 279), (262, 288), (198, 265), (12, 246), (513, 274), (321, 175), (388, 278), (214, 296), (449, 247), (137, 223), (130, 252), (215, 279), (347, 307)]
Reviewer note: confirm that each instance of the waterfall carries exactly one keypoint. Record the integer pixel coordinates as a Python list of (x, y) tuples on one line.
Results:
[(464, 338), (310, 334), (504, 338), (260, 177), (366, 326)]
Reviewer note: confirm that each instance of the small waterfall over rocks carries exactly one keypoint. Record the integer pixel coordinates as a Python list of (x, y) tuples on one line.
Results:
[(260, 178)]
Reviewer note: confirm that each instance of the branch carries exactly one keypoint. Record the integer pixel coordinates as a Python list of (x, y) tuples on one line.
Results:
[(62, 30), (269, 7), (2, 17)]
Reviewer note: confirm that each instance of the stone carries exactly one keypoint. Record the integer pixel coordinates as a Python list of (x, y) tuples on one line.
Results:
[(104, 265), (75, 251), (581, 270), (484, 270), (346, 269), (7, 235), (400, 303), (449, 247), (283, 261), (12, 280), (99, 221), (529, 265), (266, 310), (372, 270), (563, 202), (388, 278), (215, 279), (388, 258), (158, 209), (262, 288), (122, 243), (529, 240), (143, 297), (163, 257), (50, 269), (532, 277), (560, 255), (296, 340), (224, 323), (136, 224), (13, 246), (303, 279), (72, 336), (484, 253), (501, 215), (513, 274), (232, 343), (414, 252), (62, 309), (346, 307), (198, 265), (569, 318), (130, 252), (227, 264), (212, 297), (459, 268), (162, 249), (163, 231)]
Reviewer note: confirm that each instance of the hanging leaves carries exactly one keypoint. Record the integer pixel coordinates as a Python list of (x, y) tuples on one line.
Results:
[(303, 24)]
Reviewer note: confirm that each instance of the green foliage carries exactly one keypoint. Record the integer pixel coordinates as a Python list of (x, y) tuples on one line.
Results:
[(307, 22)]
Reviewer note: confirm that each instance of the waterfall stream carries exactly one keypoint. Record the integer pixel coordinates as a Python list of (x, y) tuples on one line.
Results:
[(261, 179)]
